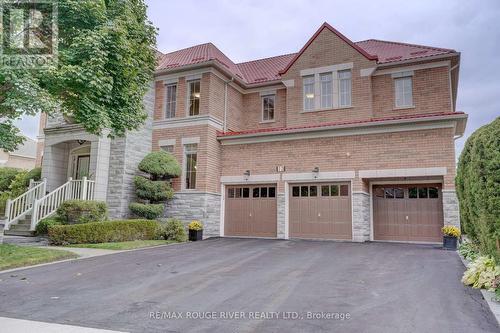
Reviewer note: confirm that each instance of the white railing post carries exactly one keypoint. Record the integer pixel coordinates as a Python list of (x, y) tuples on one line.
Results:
[(7, 213), (83, 195), (67, 190), (34, 215), (44, 187), (31, 183)]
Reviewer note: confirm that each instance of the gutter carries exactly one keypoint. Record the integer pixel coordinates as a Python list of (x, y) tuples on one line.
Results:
[(436, 57), (277, 132)]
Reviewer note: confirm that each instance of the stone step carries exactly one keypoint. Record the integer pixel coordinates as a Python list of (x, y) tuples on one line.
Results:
[(18, 233), (20, 227), (24, 221)]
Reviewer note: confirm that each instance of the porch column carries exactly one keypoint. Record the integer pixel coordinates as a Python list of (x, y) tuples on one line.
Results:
[(55, 165), (99, 165)]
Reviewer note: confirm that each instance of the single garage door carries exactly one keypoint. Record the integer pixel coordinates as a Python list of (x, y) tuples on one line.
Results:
[(320, 211), (408, 212), (250, 211)]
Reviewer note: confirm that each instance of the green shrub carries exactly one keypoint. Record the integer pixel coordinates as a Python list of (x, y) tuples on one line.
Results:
[(35, 174), (147, 211), (481, 273), (7, 175), (173, 229), (42, 227), (82, 211), (478, 188), (468, 250), (3, 202), (103, 232), (160, 164), (154, 191)]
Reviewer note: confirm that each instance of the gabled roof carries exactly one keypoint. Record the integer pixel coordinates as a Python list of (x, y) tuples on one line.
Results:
[(336, 32), (270, 69), (394, 51)]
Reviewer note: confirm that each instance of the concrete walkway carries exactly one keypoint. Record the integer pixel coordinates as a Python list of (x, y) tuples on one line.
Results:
[(82, 252), (22, 326)]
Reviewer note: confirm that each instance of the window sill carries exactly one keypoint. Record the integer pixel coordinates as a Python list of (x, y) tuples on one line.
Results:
[(267, 121), (404, 107), (328, 109)]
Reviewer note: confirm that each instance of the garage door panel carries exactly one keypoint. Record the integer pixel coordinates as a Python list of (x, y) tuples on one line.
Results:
[(251, 214), (315, 213), (415, 214)]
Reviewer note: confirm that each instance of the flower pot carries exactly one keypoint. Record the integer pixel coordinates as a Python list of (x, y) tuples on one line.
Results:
[(195, 235), (449, 242)]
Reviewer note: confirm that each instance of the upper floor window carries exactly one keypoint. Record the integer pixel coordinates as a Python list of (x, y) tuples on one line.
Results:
[(194, 97), (191, 157), (168, 148), (268, 108), (403, 91), (345, 88), (171, 100), (308, 93), (326, 90)]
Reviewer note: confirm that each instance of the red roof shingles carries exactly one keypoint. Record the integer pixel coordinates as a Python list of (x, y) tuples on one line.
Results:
[(269, 69), (332, 124)]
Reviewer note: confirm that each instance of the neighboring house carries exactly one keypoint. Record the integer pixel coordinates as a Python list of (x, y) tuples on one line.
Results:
[(341, 140), (22, 158)]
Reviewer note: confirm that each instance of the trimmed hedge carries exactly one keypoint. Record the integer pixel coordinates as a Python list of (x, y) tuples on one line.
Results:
[(155, 191), (160, 164), (478, 188), (104, 232), (82, 211), (42, 227), (147, 211)]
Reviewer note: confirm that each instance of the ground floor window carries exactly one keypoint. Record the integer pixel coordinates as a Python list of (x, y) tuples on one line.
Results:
[(191, 157)]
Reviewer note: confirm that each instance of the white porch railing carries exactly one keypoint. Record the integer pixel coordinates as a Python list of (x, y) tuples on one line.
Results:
[(71, 190), (19, 207)]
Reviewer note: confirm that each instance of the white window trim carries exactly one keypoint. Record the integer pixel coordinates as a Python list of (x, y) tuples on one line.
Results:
[(184, 166), (189, 141), (166, 101), (402, 75), (168, 142), (262, 120), (188, 83), (317, 92)]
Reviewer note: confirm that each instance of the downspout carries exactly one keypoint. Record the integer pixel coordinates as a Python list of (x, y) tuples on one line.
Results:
[(224, 128)]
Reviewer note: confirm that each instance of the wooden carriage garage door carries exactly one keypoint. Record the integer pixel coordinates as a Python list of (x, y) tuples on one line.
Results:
[(407, 212), (320, 211), (250, 211)]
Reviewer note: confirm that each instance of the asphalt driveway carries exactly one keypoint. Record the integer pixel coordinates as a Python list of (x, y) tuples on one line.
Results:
[(374, 287)]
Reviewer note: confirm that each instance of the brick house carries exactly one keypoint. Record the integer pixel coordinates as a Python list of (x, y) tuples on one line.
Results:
[(341, 140)]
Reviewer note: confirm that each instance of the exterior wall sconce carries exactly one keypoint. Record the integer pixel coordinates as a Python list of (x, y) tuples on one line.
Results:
[(81, 142), (246, 174), (315, 172)]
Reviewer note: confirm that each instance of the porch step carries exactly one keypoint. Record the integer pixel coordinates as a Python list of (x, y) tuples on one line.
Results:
[(26, 220), (20, 227), (13, 232)]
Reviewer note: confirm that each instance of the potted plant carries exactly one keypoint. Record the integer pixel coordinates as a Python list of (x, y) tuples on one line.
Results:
[(195, 231), (450, 236)]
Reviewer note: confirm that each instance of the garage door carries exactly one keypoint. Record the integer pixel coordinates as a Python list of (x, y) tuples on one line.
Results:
[(320, 211), (408, 212), (250, 211)]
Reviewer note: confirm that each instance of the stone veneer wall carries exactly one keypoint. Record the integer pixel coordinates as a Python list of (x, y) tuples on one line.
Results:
[(202, 206), (360, 217), (126, 153), (451, 210), (281, 215)]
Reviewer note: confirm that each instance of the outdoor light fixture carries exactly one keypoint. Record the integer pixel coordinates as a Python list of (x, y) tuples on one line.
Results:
[(315, 172), (196, 95), (309, 95), (246, 174), (80, 142)]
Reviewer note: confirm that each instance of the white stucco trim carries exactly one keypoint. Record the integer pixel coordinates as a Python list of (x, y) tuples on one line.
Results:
[(188, 121), (169, 142), (325, 69), (287, 208), (267, 92), (171, 81), (289, 83), (188, 141), (367, 71), (222, 209), (444, 63), (405, 172), (193, 77), (252, 179), (321, 176)]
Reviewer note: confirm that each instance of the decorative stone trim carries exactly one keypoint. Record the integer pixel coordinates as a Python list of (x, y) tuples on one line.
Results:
[(360, 217), (280, 202), (451, 211)]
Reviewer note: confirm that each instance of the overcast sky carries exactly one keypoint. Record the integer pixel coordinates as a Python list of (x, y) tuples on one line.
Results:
[(247, 30)]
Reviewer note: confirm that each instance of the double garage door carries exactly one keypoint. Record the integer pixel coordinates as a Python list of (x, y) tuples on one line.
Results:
[(315, 211), (323, 210)]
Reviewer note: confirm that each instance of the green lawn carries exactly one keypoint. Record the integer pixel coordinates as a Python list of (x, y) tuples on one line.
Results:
[(137, 244), (12, 256)]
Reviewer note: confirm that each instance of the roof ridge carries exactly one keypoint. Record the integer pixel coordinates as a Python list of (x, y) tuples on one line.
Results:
[(189, 47), (260, 59), (408, 44)]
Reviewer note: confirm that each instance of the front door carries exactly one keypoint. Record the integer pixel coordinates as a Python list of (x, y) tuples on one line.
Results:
[(82, 166)]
